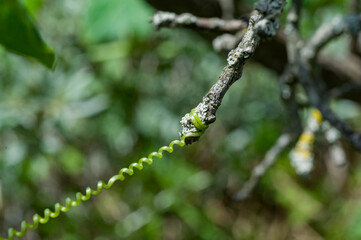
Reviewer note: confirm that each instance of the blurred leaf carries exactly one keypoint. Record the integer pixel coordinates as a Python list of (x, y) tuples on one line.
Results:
[(200, 224), (39, 169), (301, 205), (113, 19), (353, 229), (72, 160), (32, 5), (109, 51), (19, 34), (346, 108)]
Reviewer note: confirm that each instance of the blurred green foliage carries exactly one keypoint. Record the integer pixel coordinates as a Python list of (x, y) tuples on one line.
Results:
[(116, 20), (118, 93), (19, 34)]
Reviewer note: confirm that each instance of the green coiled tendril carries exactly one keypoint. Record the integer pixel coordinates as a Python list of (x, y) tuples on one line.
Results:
[(69, 203)]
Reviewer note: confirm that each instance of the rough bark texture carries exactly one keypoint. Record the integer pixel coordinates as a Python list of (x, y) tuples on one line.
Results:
[(271, 53), (187, 20), (296, 60), (262, 24)]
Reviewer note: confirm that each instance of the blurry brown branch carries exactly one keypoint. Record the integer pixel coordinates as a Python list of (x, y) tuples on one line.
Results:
[(348, 90), (227, 7), (187, 20), (355, 6), (355, 45), (288, 80), (348, 68), (270, 158)]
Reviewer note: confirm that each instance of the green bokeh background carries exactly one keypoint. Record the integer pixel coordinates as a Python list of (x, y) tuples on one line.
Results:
[(118, 93)]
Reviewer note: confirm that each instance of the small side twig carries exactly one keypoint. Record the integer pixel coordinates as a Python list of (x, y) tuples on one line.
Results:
[(187, 20), (226, 42), (270, 158)]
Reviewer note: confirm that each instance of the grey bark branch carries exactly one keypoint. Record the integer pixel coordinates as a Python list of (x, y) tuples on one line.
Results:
[(293, 40), (287, 82), (263, 23), (329, 31), (335, 72), (270, 158), (288, 79), (319, 102), (272, 53), (187, 20)]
